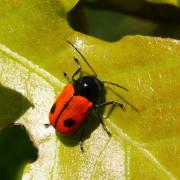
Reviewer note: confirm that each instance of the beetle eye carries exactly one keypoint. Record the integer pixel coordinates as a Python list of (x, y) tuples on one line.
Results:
[(69, 123), (53, 108)]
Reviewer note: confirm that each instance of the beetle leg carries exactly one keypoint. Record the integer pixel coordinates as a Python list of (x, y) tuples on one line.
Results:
[(82, 136), (47, 125), (114, 103), (81, 145), (102, 122), (81, 140), (78, 70), (67, 77)]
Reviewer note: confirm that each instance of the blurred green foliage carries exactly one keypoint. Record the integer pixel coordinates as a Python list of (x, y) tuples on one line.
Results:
[(112, 20)]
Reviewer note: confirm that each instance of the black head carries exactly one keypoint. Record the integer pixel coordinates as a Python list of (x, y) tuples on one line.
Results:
[(90, 87)]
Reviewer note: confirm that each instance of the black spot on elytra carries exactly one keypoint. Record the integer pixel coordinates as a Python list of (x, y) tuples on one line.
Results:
[(53, 108), (69, 123)]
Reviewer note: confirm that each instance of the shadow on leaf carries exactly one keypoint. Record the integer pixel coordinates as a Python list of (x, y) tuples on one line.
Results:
[(12, 105), (16, 150)]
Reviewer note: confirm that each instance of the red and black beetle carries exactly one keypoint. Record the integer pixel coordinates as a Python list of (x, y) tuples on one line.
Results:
[(77, 100)]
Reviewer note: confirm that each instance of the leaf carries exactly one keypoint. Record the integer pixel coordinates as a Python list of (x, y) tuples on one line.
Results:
[(138, 138), (31, 83), (145, 138), (172, 2)]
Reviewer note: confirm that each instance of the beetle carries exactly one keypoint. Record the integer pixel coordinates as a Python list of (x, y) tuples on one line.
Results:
[(78, 98)]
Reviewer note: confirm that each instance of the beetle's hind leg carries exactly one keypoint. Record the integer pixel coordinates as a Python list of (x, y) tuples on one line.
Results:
[(81, 145), (102, 122), (82, 139), (114, 103), (78, 70)]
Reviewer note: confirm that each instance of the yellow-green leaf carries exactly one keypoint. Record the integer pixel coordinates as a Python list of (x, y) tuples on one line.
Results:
[(172, 2), (145, 138)]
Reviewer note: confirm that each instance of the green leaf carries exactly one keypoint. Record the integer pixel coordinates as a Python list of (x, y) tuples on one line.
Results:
[(139, 139), (172, 2), (145, 138)]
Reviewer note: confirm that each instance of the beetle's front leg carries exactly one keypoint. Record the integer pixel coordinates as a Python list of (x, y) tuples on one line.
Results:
[(67, 77), (78, 70)]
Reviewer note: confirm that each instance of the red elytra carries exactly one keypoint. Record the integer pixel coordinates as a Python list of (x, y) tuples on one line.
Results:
[(69, 112)]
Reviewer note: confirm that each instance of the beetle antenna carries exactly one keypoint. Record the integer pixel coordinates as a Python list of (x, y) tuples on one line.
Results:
[(115, 85), (82, 57)]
